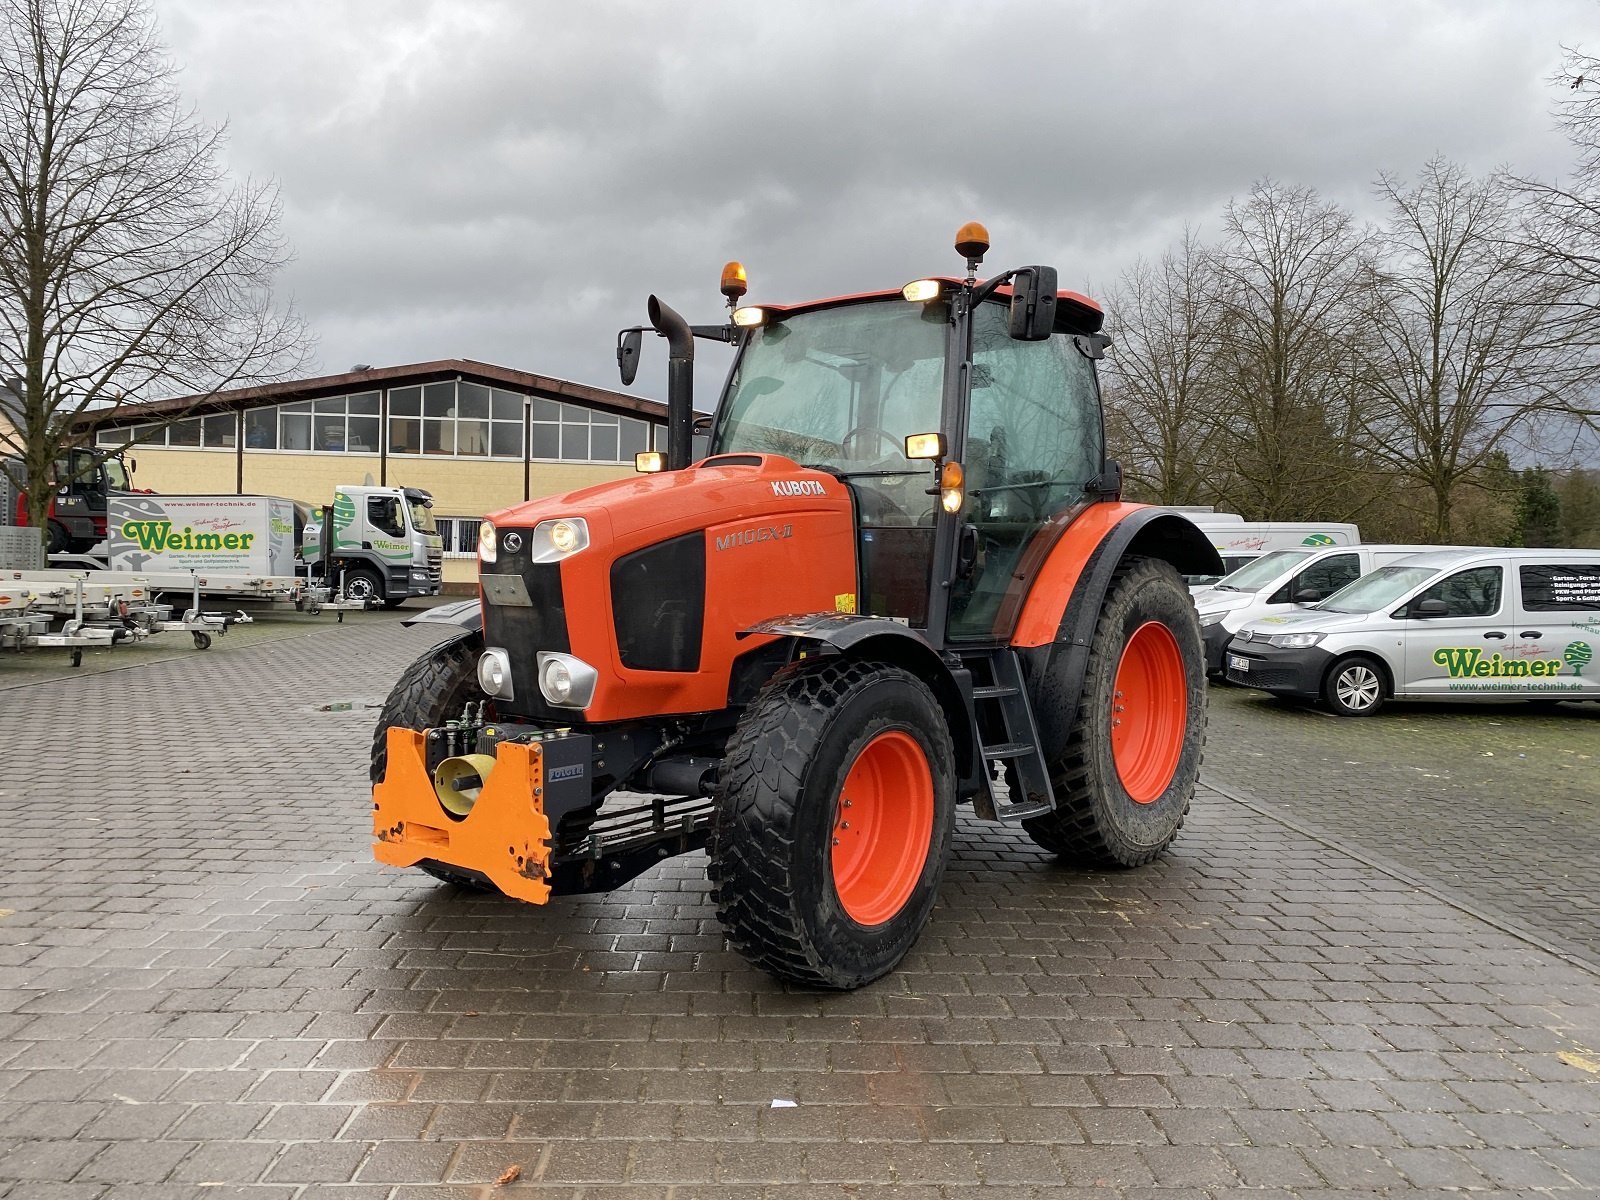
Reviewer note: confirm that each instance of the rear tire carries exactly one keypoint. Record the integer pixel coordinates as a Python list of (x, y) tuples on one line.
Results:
[(1126, 775), (833, 821), (428, 693), (1354, 687)]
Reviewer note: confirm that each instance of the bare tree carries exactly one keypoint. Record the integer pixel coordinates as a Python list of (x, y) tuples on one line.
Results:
[(1563, 225), (1471, 348), (129, 265), (1287, 305), (1160, 411)]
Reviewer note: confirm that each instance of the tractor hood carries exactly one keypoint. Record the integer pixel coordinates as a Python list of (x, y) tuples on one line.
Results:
[(729, 488), (654, 593)]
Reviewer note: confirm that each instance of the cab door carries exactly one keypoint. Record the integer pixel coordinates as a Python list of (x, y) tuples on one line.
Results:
[(1460, 648)]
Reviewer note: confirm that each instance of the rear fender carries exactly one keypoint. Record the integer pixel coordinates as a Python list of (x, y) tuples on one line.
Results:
[(1056, 627), (882, 640)]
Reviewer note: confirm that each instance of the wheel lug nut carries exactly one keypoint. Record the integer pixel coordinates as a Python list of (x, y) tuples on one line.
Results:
[(835, 841)]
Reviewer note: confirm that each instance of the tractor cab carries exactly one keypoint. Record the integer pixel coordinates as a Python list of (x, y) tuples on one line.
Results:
[(939, 418)]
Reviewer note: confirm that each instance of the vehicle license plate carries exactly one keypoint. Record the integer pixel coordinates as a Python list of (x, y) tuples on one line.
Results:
[(1237, 662)]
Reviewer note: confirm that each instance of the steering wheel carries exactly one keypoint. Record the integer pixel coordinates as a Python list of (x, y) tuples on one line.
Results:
[(874, 432)]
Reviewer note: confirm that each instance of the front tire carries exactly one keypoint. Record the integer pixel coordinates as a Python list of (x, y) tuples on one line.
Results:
[(1354, 687), (833, 821), (431, 691), (1126, 772), (362, 583)]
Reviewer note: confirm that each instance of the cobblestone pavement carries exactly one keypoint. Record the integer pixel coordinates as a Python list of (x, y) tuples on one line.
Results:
[(1496, 804), (208, 989)]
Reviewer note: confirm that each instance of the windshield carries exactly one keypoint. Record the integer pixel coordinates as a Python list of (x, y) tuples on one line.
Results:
[(117, 475), (1263, 571), (841, 387), (421, 516), (1377, 589)]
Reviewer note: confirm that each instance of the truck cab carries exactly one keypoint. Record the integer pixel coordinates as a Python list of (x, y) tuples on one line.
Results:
[(385, 545)]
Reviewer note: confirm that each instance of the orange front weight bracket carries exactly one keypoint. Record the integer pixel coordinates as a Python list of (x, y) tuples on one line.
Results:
[(506, 836)]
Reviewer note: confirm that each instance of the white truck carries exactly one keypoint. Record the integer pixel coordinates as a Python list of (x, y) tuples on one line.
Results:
[(385, 546)]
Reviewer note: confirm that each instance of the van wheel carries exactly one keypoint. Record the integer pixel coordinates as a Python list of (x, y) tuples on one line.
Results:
[(832, 822), (1354, 688), (1126, 772)]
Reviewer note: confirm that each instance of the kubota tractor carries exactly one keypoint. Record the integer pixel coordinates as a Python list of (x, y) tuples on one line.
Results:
[(900, 580)]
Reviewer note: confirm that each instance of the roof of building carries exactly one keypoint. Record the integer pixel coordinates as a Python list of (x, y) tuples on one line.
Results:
[(375, 378)]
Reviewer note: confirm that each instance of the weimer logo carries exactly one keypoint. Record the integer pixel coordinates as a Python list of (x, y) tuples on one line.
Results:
[(749, 537), (798, 487), (158, 536), (1468, 662)]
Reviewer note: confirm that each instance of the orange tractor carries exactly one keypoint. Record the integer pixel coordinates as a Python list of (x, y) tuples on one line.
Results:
[(900, 580)]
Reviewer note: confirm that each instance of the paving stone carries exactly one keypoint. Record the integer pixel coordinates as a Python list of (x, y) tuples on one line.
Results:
[(212, 983)]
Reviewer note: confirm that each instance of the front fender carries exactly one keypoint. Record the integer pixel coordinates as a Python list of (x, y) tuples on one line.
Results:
[(466, 614)]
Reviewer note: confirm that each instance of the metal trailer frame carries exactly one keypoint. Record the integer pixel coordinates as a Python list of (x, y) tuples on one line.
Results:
[(100, 613)]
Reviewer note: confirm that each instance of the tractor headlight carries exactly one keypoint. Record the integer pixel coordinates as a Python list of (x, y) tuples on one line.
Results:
[(566, 681), (488, 551), (551, 541), (1294, 641), (494, 673)]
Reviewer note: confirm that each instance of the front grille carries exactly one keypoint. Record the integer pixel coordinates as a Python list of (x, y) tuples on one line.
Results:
[(435, 566), (658, 598), (1269, 677), (523, 630)]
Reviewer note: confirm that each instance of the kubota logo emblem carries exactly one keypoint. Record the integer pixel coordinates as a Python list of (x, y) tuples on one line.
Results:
[(513, 542), (798, 487)]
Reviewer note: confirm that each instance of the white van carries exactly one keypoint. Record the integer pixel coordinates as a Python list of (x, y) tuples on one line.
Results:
[(1240, 542), (1478, 624), (1277, 582)]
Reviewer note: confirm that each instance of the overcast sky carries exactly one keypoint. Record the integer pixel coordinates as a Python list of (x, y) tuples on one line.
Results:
[(509, 181)]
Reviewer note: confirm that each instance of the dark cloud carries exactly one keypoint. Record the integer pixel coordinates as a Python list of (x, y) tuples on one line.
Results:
[(508, 181)]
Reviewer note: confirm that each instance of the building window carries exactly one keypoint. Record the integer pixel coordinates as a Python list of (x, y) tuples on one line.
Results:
[(571, 433), (459, 535), (261, 429), (220, 431)]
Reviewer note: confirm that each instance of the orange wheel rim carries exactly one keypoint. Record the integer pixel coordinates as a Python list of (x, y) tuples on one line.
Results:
[(1149, 712), (881, 828)]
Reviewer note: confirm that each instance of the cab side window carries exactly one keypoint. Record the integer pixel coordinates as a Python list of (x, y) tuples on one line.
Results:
[(384, 513), (1560, 587), (1474, 593), (1328, 576)]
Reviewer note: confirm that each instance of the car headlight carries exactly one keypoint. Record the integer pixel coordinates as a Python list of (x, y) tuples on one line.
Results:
[(551, 541), (488, 551), (1294, 641), (1207, 620)]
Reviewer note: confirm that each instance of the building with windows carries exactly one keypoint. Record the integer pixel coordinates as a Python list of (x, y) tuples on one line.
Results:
[(477, 436)]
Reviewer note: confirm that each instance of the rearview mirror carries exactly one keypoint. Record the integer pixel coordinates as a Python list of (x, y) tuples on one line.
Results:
[(1033, 304), (628, 342)]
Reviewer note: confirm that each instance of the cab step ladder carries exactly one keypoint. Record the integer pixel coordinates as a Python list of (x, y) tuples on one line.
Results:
[(1007, 735)]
